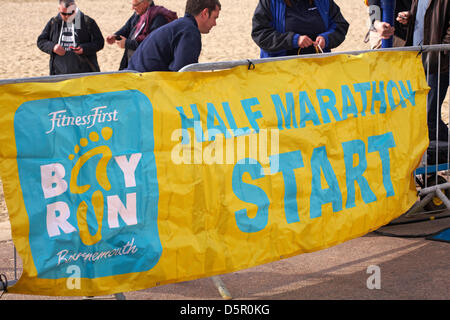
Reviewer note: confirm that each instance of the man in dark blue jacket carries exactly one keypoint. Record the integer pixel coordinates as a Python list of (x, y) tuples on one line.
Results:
[(178, 43)]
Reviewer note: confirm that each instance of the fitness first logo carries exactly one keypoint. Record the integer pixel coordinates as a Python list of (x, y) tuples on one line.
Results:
[(88, 175), (97, 115)]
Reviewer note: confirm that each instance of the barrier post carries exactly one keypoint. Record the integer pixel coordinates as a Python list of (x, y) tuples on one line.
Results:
[(221, 287)]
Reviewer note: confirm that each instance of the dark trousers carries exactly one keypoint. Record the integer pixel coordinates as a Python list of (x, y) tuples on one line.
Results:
[(436, 97)]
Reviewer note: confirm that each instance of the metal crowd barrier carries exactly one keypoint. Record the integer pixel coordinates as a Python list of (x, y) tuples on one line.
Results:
[(432, 176)]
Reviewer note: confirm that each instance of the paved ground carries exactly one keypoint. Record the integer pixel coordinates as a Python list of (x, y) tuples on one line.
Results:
[(410, 269)]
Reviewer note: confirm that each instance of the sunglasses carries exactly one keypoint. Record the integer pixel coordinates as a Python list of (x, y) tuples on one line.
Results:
[(67, 13)]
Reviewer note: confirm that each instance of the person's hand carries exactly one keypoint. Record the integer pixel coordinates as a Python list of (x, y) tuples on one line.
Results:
[(384, 29), (121, 42), (304, 42), (111, 39), (78, 50), (403, 17), (60, 51), (320, 42)]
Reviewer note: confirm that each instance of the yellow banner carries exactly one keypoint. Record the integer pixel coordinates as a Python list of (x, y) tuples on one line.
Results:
[(123, 182)]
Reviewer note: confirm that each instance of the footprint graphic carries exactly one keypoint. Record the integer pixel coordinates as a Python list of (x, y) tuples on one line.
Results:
[(97, 199)]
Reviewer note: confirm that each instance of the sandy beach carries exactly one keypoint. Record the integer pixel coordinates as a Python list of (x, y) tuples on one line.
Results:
[(229, 40)]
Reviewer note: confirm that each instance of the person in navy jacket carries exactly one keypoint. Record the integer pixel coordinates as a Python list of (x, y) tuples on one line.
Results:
[(291, 27), (178, 43)]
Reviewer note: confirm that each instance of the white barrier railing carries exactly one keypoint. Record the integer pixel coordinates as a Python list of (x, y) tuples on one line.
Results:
[(211, 66)]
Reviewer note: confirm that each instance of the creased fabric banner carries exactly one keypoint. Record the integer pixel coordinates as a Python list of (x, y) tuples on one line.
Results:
[(123, 182)]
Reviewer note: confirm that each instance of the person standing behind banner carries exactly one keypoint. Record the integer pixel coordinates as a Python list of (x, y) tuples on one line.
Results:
[(383, 30), (428, 22), (72, 39), (146, 18), (178, 43), (291, 27)]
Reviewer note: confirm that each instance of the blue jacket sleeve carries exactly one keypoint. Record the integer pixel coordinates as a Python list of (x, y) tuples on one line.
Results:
[(337, 27), (265, 34)]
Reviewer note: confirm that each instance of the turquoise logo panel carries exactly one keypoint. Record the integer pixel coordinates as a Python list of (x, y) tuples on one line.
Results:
[(88, 175)]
